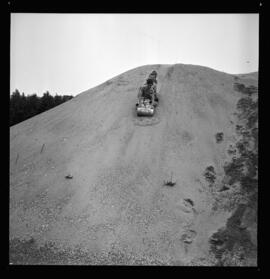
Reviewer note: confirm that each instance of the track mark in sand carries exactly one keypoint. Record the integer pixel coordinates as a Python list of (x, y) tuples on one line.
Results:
[(143, 121), (187, 137)]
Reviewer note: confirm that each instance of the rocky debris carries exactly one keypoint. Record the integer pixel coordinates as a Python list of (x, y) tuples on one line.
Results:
[(169, 183), (210, 174), (218, 241), (231, 150), (219, 137), (234, 170)]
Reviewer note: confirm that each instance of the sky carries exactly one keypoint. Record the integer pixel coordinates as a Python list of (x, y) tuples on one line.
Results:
[(70, 53)]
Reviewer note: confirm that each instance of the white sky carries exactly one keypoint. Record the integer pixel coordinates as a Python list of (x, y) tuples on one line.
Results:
[(70, 53)]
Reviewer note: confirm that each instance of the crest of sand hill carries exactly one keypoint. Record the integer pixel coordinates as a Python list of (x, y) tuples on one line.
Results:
[(90, 174)]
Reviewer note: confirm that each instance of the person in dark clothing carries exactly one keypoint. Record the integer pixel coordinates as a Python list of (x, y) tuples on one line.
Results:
[(146, 91), (153, 77)]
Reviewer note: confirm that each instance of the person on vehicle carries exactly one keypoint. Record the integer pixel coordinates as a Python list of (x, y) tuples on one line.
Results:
[(146, 91), (153, 77)]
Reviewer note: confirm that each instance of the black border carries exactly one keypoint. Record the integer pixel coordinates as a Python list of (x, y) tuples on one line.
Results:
[(150, 7), (206, 6)]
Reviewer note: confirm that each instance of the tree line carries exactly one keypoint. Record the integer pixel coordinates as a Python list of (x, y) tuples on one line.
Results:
[(23, 107)]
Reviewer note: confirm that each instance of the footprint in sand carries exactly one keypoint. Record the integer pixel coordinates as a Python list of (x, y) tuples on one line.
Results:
[(186, 205), (188, 236)]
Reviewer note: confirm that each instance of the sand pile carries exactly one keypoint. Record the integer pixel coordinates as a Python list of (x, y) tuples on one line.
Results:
[(87, 177)]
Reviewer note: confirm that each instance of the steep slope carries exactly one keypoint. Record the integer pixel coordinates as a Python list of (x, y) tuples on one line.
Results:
[(116, 208)]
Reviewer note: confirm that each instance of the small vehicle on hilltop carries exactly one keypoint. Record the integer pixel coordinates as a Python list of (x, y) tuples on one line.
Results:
[(144, 107), (147, 96)]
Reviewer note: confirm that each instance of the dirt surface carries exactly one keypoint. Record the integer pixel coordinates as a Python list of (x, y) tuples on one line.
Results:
[(87, 177)]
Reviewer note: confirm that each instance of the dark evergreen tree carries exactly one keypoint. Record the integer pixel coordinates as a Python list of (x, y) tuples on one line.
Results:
[(23, 107), (47, 102), (57, 100), (32, 105)]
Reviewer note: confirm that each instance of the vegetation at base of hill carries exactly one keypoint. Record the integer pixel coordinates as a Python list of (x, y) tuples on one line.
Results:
[(249, 90), (22, 107), (232, 245), (243, 168)]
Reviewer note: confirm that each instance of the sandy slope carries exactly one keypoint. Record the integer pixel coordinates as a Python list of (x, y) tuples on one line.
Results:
[(116, 200)]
